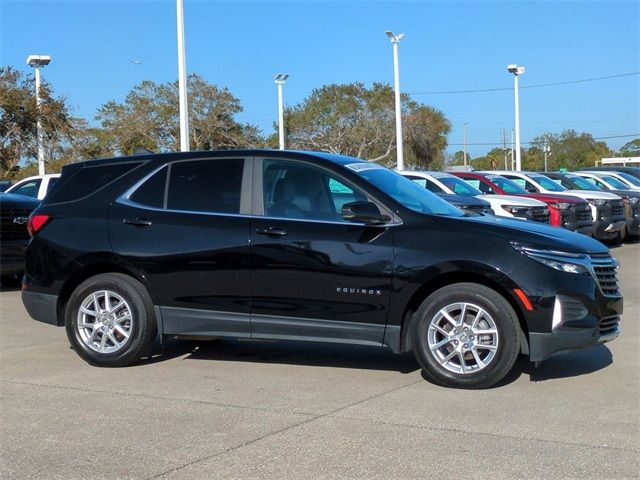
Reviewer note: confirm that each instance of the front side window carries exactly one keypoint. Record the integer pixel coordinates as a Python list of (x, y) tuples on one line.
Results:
[(205, 185), (547, 183), (459, 187), (29, 188), (403, 190), (582, 183), (629, 178), (615, 183), (509, 186), (299, 191)]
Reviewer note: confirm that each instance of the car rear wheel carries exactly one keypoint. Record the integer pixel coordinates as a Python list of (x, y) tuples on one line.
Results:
[(466, 336), (110, 320)]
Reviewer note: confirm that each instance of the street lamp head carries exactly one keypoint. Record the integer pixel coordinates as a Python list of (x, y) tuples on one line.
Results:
[(38, 60), (282, 77), (392, 37), (515, 69)]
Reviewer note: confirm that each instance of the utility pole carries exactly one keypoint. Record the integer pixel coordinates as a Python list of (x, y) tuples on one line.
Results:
[(547, 152), (37, 62), (182, 81), (465, 142), (281, 78), (395, 40), (516, 71)]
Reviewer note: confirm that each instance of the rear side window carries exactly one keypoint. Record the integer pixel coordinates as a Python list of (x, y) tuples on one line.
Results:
[(87, 180), (52, 182), (151, 192), (206, 185)]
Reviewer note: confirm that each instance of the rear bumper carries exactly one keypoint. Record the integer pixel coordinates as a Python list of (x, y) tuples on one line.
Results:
[(42, 307)]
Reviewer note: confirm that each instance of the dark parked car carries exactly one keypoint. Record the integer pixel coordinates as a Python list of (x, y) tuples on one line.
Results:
[(306, 246), (633, 171), (572, 213), (470, 205), (14, 237), (630, 198)]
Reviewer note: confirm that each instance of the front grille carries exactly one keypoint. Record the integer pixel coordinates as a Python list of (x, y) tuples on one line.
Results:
[(540, 214), (604, 268), (583, 213), (617, 208), (10, 230), (609, 325)]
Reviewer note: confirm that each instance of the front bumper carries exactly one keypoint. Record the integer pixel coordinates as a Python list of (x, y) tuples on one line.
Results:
[(543, 345), (608, 228)]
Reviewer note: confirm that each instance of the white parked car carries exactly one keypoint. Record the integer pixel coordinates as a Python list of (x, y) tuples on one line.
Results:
[(607, 209), (36, 187), (502, 205), (631, 182)]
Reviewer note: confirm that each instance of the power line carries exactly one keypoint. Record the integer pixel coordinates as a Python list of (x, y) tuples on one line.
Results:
[(568, 82), (530, 142)]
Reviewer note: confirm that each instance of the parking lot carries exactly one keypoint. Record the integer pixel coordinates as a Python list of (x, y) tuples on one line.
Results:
[(226, 409)]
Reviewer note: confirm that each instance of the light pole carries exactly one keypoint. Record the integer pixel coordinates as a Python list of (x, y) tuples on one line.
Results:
[(38, 61), (395, 39), (464, 152), (547, 153), (517, 71), (182, 81), (280, 79)]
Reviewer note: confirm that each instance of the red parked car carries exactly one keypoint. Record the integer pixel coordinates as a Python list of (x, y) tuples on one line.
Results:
[(572, 213)]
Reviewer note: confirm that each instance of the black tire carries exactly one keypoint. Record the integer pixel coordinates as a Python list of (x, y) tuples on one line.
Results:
[(502, 314), (143, 328)]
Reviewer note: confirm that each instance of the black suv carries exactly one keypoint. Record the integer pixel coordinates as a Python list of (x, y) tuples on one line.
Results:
[(14, 237), (306, 246)]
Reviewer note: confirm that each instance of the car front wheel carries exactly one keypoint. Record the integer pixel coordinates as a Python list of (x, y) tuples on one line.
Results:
[(466, 336)]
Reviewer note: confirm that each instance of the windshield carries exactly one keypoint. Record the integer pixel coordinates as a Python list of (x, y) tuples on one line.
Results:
[(629, 178), (458, 186), (615, 183), (401, 189), (583, 183), (506, 184), (547, 183)]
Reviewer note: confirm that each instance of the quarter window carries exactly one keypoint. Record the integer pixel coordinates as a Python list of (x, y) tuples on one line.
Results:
[(206, 185), (151, 193)]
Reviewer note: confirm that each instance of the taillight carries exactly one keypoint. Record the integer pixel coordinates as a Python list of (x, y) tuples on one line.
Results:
[(36, 222)]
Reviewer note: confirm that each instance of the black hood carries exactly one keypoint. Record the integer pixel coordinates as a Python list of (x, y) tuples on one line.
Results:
[(11, 201), (528, 233)]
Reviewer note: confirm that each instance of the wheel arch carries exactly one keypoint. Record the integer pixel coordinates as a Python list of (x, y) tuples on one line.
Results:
[(87, 271), (500, 285)]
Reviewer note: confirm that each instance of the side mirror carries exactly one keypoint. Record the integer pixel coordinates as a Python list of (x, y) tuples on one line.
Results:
[(532, 189), (364, 212)]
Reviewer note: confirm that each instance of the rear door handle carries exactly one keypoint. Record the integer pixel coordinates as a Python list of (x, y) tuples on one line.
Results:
[(137, 222), (271, 232)]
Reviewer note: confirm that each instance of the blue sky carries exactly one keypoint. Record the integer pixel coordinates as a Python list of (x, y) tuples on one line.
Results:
[(448, 46)]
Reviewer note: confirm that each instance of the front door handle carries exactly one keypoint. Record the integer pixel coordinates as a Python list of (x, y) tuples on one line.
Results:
[(271, 232), (137, 222)]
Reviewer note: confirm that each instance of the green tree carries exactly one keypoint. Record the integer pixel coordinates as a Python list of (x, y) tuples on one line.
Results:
[(18, 117), (569, 149), (149, 118), (358, 121), (493, 160), (631, 149)]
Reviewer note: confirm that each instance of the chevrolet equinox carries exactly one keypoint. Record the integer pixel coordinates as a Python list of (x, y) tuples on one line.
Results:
[(306, 246)]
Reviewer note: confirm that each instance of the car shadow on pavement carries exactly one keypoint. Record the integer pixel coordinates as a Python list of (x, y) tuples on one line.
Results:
[(290, 353), (571, 364)]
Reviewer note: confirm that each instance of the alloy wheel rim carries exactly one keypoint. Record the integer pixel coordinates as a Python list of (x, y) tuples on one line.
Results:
[(463, 338), (104, 321)]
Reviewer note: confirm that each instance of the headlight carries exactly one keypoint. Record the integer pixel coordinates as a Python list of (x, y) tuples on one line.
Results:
[(561, 261), (597, 202), (515, 209), (560, 205)]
